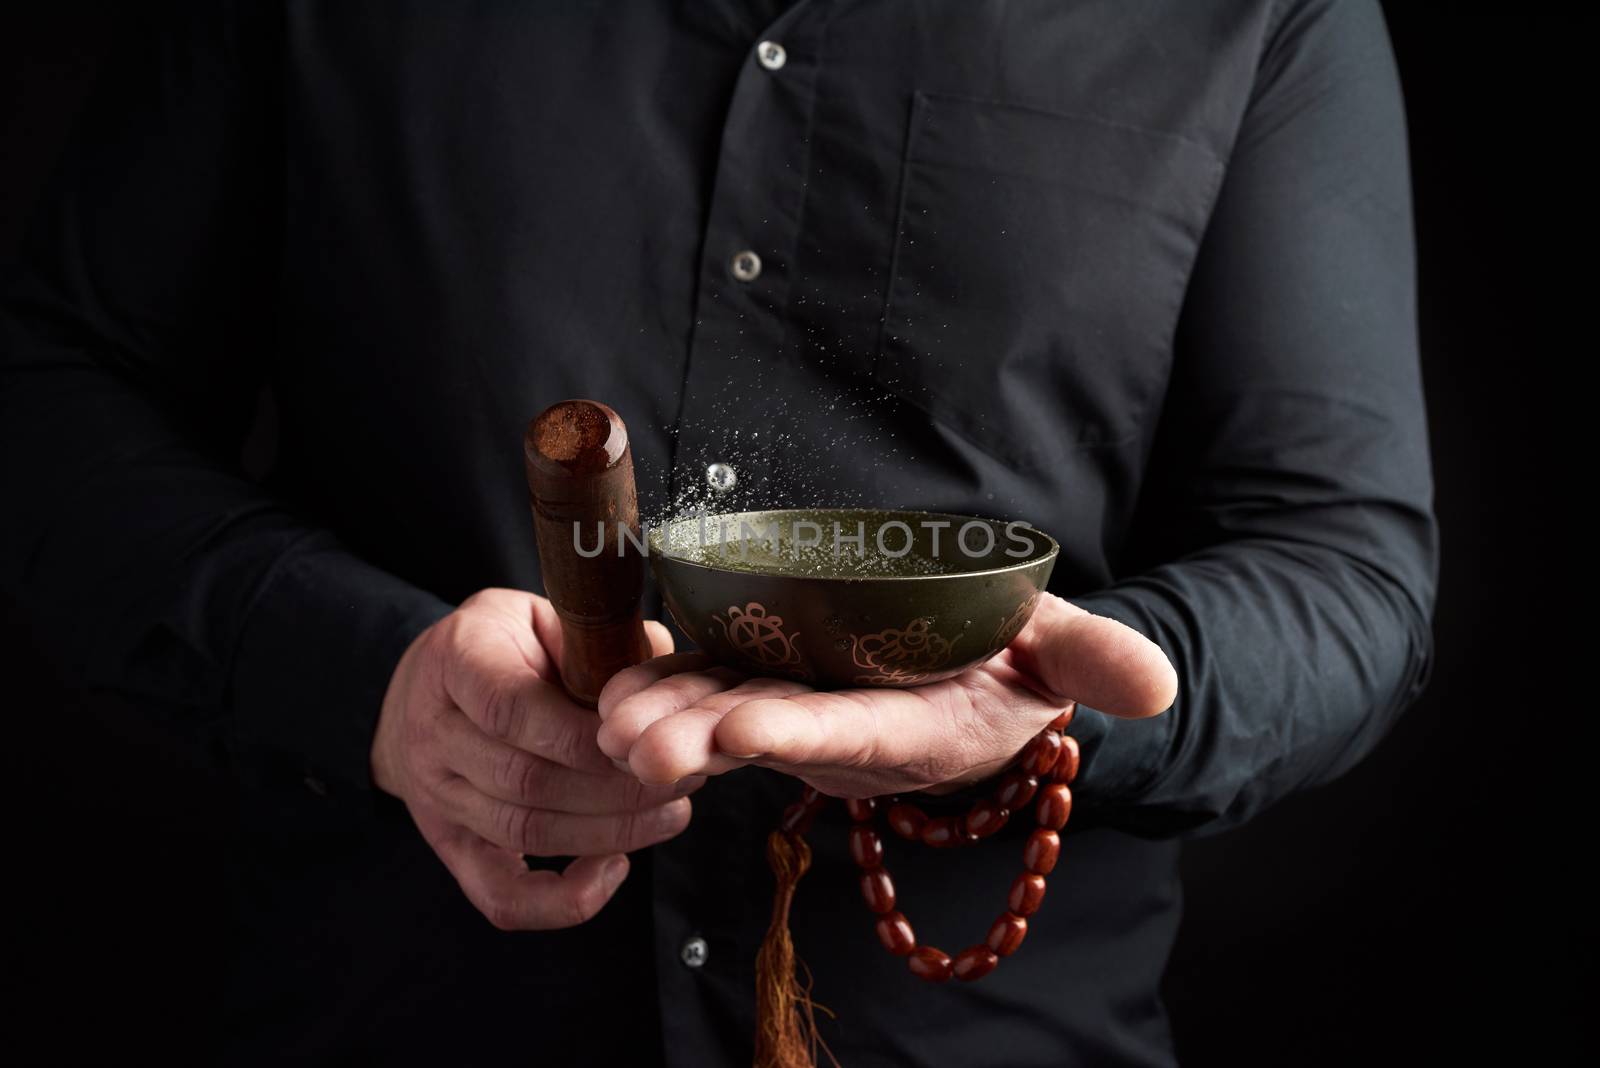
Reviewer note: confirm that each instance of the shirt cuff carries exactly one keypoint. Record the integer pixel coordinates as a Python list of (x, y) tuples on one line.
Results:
[(1118, 760), (1119, 757), (314, 661)]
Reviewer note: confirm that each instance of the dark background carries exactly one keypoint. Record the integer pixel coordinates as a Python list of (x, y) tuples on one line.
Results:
[(1428, 905)]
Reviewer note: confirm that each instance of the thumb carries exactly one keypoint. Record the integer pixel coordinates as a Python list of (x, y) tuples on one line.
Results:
[(1095, 661), (660, 638), (547, 629)]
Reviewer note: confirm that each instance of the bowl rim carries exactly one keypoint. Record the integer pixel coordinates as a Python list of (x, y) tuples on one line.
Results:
[(1052, 547)]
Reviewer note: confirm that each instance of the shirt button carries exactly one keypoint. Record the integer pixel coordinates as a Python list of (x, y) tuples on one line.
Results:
[(771, 55), (745, 265), (721, 477), (694, 952)]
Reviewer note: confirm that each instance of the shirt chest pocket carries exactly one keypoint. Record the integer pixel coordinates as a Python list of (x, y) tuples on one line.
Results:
[(1039, 268)]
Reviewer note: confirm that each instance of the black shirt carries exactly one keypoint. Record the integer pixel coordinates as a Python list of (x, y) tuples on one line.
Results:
[(1138, 273)]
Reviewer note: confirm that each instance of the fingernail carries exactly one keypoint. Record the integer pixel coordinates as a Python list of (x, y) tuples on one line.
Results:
[(613, 873), (672, 816), (688, 784), (743, 756)]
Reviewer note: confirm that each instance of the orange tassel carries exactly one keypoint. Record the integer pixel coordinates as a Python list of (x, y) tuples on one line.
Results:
[(786, 1021)]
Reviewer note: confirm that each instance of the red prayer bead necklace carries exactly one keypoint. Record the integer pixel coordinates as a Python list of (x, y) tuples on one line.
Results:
[(1042, 776)]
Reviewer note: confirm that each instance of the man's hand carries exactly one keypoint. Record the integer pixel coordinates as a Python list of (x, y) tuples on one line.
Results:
[(676, 716), (494, 760)]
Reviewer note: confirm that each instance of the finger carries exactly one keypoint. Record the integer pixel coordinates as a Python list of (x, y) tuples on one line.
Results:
[(1094, 660), (846, 728), (547, 629), (506, 619), (933, 733), (511, 897), (656, 688), (510, 774), (542, 719), (546, 833), (684, 743), (629, 681), (505, 700), (661, 643), (489, 676)]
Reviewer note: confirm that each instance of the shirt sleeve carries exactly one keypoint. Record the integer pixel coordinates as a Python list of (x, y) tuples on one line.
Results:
[(132, 344), (1286, 549)]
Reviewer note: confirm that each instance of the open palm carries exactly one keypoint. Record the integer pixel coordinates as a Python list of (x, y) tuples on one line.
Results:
[(680, 715)]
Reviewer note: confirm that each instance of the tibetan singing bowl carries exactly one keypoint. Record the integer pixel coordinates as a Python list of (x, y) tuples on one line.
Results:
[(850, 597)]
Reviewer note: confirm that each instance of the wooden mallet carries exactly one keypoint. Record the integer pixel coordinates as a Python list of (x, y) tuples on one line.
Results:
[(580, 482)]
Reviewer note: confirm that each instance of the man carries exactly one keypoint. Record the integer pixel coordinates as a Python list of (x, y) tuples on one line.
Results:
[(1139, 274)]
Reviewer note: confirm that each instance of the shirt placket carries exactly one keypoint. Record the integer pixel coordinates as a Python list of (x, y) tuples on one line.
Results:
[(751, 238), (705, 941)]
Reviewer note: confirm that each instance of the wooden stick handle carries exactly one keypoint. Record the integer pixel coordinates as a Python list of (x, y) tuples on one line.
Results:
[(580, 482)]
